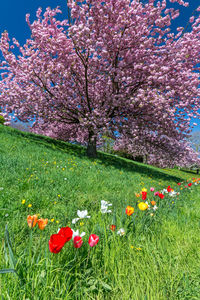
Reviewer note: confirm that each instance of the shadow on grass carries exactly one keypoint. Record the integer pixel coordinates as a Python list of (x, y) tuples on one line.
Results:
[(105, 158), (190, 171)]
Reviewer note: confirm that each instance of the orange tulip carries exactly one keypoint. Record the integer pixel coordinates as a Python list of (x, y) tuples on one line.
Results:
[(42, 223), (153, 202), (137, 195), (129, 210), (32, 221)]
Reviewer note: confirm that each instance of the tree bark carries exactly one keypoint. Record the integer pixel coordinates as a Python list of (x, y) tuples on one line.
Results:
[(92, 145)]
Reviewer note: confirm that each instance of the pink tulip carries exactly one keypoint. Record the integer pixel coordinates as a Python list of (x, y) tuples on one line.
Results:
[(152, 189), (156, 193), (93, 240)]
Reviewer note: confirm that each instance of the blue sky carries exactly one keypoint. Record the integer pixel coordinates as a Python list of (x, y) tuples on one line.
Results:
[(12, 17)]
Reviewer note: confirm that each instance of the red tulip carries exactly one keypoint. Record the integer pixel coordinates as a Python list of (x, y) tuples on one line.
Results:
[(179, 183), (144, 195), (56, 243), (77, 241), (190, 184), (169, 189), (93, 240), (66, 233), (161, 196), (112, 227)]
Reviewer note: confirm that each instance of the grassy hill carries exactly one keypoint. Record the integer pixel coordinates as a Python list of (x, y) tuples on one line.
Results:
[(156, 258)]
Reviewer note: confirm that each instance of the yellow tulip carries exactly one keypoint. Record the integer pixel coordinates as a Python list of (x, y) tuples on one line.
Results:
[(143, 206)]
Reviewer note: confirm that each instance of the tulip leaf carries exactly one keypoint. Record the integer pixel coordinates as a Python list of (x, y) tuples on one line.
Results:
[(13, 262), (106, 286), (4, 271)]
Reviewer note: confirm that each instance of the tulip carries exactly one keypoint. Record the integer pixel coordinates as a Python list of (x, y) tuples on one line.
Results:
[(56, 243), (66, 233), (112, 227), (169, 189), (143, 206), (42, 223), (82, 215), (32, 220), (77, 241), (76, 233), (121, 231), (161, 196), (153, 202), (137, 195), (152, 189), (104, 207), (129, 210), (144, 195), (93, 240)]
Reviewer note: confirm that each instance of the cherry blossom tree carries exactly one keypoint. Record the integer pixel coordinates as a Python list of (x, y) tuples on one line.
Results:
[(112, 66)]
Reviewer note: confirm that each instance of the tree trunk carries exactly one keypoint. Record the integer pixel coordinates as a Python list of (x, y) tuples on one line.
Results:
[(92, 146), (145, 159)]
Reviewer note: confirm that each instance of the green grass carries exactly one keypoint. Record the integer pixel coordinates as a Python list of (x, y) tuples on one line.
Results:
[(157, 258)]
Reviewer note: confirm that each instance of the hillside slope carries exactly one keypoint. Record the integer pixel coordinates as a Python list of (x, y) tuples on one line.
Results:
[(158, 256)]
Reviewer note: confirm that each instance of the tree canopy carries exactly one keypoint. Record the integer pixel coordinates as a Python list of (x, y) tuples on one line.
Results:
[(111, 66)]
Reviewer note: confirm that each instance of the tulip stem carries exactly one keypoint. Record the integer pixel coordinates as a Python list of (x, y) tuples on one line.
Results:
[(88, 257)]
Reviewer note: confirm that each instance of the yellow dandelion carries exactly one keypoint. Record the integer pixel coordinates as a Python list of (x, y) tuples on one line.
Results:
[(23, 201), (132, 247), (55, 202), (52, 220), (30, 205), (57, 221), (59, 196), (81, 223)]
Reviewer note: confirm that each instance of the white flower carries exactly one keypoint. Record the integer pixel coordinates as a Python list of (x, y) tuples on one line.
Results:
[(1, 188), (81, 214), (164, 191), (104, 207), (121, 231), (155, 207), (172, 194), (76, 233)]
